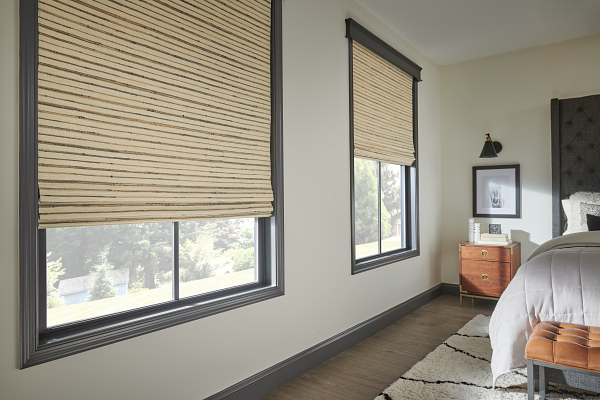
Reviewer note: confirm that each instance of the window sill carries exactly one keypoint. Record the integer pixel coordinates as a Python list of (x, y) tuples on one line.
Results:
[(382, 259), (67, 340)]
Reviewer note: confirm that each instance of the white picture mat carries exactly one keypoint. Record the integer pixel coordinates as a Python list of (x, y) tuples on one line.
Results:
[(496, 191)]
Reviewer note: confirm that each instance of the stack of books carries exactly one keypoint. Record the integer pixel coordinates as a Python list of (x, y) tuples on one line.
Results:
[(500, 239)]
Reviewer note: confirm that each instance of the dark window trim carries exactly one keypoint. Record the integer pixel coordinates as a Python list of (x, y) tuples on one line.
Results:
[(362, 35), (38, 344), (355, 31)]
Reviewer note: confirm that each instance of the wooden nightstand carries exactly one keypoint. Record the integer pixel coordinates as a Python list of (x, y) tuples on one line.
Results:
[(485, 271)]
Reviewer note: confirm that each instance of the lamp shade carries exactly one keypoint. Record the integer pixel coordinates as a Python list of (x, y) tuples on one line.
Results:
[(490, 148)]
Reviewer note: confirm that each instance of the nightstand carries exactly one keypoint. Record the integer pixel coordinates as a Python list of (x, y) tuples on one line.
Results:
[(486, 271)]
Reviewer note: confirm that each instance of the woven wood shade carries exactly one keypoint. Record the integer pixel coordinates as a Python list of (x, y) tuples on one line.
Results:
[(383, 111), (153, 110)]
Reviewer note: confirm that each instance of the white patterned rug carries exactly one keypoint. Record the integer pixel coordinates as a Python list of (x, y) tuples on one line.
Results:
[(460, 369)]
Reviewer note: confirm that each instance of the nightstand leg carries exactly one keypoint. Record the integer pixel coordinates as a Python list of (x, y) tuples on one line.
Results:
[(461, 299)]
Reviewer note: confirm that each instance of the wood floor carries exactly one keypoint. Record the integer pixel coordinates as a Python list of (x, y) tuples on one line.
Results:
[(366, 369)]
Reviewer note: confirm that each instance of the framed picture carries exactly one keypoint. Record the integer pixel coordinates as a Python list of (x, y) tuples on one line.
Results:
[(497, 191)]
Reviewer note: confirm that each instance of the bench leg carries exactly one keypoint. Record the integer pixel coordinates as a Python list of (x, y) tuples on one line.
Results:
[(530, 381), (543, 383)]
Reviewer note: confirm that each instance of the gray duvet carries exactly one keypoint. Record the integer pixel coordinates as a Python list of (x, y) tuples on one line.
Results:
[(559, 282)]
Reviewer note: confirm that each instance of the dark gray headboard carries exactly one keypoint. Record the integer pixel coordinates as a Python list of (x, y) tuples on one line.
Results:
[(575, 152)]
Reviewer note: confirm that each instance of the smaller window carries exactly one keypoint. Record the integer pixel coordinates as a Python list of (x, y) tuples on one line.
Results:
[(383, 137)]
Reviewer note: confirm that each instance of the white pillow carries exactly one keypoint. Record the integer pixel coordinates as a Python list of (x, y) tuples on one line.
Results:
[(566, 205), (574, 213)]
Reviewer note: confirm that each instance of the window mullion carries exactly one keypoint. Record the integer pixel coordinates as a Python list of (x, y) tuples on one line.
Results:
[(175, 260), (408, 186), (403, 212), (379, 205)]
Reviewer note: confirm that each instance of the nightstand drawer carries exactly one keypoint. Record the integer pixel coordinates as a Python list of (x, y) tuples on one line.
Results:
[(488, 278), (494, 253)]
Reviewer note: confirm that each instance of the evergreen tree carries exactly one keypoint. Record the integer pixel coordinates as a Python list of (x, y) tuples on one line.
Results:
[(54, 270), (103, 287)]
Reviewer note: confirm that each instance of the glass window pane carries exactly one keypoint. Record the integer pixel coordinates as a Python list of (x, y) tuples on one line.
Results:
[(365, 208), (98, 270), (215, 254), (391, 207)]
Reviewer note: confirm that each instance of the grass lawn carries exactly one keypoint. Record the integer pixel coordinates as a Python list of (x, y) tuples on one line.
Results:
[(76, 312), (369, 249)]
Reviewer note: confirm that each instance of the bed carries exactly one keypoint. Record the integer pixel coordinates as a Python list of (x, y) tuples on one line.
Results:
[(561, 279)]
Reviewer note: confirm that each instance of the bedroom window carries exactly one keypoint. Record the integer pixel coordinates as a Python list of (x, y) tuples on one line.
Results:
[(150, 167), (383, 137)]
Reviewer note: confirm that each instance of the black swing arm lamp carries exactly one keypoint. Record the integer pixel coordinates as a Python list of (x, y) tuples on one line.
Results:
[(490, 148)]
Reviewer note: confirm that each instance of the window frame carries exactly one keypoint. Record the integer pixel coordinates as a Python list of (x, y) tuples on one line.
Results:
[(410, 184), (38, 344)]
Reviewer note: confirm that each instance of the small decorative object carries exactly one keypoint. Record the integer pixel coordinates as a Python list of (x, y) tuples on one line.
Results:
[(476, 233), (497, 191), (471, 228), (495, 229), (495, 239), (490, 148)]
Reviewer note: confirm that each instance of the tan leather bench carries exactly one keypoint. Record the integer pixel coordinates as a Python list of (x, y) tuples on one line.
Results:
[(563, 346)]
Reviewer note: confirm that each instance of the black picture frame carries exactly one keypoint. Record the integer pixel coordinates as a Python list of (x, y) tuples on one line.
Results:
[(497, 191)]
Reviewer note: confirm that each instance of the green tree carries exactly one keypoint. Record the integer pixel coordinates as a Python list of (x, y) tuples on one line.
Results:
[(241, 258), (198, 259), (224, 233), (78, 247), (365, 201), (391, 195), (54, 270), (146, 249), (386, 225), (103, 287)]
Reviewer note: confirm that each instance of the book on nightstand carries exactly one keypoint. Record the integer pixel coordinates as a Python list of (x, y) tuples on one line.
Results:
[(499, 239), (495, 243)]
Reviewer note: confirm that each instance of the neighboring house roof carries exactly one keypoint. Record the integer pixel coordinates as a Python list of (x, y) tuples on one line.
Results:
[(85, 283)]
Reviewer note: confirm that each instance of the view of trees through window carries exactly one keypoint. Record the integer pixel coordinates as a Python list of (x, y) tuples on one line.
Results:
[(370, 177), (98, 270)]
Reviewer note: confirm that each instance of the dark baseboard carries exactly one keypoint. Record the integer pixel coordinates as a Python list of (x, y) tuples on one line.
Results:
[(450, 288), (275, 376)]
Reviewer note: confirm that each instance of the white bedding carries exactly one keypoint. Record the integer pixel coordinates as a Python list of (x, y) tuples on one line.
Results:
[(559, 282)]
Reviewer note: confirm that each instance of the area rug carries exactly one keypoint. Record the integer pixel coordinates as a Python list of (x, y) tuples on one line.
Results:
[(460, 369)]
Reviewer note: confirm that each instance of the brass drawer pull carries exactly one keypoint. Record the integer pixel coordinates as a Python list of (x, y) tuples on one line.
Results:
[(484, 277), (484, 253)]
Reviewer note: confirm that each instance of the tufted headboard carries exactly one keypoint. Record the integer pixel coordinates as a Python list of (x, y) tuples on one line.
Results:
[(575, 152)]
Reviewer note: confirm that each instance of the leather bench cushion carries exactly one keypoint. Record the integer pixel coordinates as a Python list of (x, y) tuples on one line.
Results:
[(560, 343)]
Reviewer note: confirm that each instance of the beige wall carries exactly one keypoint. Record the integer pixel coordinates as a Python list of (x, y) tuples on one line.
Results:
[(197, 359), (507, 95)]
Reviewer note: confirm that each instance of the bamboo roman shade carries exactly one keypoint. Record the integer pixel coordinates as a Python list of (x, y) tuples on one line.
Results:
[(153, 110), (383, 109)]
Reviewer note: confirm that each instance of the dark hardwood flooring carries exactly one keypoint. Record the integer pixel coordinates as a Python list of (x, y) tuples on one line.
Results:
[(366, 369)]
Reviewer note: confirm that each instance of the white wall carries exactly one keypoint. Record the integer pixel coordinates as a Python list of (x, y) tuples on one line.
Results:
[(197, 359), (507, 95)]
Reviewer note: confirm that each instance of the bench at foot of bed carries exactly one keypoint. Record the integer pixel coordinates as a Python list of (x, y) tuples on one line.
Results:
[(570, 352)]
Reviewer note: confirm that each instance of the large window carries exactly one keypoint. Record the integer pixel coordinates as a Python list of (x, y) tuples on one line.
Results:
[(151, 176), (383, 115)]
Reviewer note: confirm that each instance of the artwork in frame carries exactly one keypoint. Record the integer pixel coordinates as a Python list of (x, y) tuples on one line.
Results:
[(497, 191)]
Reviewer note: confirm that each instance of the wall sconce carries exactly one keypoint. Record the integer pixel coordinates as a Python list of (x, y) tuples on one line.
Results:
[(490, 149)]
